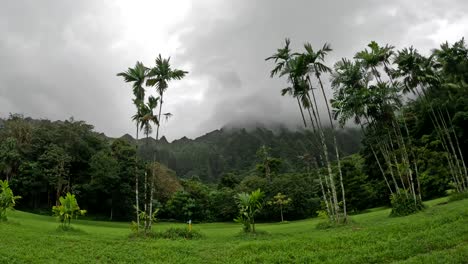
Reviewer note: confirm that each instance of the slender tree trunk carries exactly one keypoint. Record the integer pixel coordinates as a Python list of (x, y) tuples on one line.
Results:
[(145, 202), (302, 113), (281, 210), (154, 163), (389, 165), (451, 154), (325, 199), (111, 211), (337, 153), (136, 183), (462, 160), (377, 160), (151, 203), (311, 120), (414, 157), (327, 160)]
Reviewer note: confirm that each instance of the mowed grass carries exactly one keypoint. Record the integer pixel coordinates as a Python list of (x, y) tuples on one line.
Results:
[(437, 235)]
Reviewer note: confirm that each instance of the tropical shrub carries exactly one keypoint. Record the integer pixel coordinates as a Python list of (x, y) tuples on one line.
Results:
[(177, 233), (67, 210), (456, 196), (249, 205), (7, 199), (403, 204)]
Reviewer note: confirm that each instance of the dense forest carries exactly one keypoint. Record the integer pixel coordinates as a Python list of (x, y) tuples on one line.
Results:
[(410, 112), (234, 150), (43, 159)]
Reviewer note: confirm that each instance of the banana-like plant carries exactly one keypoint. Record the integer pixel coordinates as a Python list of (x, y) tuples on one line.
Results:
[(67, 210), (249, 205), (7, 199)]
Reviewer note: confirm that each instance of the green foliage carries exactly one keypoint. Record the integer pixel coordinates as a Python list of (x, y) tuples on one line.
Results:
[(456, 196), (249, 205), (404, 204), (361, 192), (7, 199), (174, 233), (282, 201), (67, 210)]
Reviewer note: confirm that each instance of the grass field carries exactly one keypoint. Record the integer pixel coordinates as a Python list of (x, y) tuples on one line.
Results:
[(437, 235)]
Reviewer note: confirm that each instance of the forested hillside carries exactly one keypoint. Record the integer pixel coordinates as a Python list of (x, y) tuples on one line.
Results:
[(44, 159), (234, 150)]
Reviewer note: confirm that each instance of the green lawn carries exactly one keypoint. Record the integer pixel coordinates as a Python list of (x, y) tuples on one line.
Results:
[(437, 235)]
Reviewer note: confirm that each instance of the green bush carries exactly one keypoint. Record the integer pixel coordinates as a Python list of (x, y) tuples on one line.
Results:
[(172, 233), (67, 209), (7, 199), (403, 204), (456, 196)]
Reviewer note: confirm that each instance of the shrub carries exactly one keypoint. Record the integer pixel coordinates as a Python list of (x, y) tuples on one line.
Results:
[(249, 205), (173, 233), (456, 196), (403, 204), (67, 209), (7, 199)]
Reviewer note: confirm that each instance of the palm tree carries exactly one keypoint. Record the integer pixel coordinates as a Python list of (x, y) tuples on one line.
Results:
[(422, 76), (137, 76), (159, 76), (282, 58), (316, 66), (147, 117), (296, 67)]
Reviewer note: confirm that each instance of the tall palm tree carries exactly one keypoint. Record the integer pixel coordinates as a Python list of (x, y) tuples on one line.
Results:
[(296, 67), (137, 76), (146, 118), (282, 58), (422, 76), (159, 76), (316, 67)]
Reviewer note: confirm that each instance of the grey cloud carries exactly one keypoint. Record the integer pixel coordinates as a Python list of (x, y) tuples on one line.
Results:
[(59, 58)]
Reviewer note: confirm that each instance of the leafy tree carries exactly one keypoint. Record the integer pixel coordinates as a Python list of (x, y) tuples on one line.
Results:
[(9, 157), (7, 199), (55, 162), (249, 205), (281, 201), (268, 165), (67, 210), (105, 179)]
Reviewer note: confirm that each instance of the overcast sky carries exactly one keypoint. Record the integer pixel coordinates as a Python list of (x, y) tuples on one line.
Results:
[(60, 58)]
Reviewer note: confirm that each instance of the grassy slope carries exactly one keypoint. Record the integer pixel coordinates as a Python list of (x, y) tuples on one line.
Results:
[(437, 235)]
